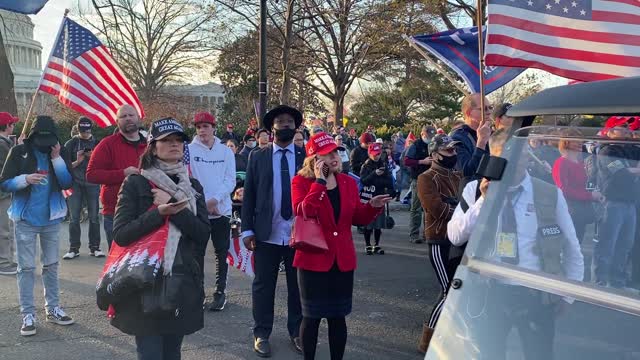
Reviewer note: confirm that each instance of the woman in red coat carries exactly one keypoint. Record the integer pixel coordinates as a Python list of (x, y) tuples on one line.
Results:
[(326, 279)]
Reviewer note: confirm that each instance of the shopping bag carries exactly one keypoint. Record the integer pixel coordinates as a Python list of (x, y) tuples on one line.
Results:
[(131, 268)]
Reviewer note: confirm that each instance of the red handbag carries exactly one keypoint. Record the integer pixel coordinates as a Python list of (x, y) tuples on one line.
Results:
[(307, 234)]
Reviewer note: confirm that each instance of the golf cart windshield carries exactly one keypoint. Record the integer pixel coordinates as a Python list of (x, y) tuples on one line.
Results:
[(552, 265)]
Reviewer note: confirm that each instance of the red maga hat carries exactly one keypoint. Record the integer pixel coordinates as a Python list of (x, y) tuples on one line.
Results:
[(322, 144), (375, 149), (7, 119), (204, 117)]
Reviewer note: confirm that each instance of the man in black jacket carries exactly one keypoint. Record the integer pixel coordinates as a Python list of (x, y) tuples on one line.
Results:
[(418, 161), (267, 217), (360, 154), (473, 136), (79, 149), (229, 134)]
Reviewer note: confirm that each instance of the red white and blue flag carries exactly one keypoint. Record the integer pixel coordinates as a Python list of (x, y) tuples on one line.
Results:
[(85, 78), (584, 40)]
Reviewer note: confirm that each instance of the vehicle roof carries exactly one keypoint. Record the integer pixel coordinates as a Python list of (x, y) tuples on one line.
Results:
[(608, 97)]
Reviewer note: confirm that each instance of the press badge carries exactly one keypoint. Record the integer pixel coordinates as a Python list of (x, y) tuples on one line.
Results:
[(506, 246), (549, 231)]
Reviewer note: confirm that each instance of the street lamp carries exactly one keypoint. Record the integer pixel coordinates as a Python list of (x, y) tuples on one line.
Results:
[(262, 53)]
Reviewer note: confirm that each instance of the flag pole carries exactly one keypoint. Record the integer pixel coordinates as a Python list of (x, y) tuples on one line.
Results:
[(479, 24), (27, 121), (437, 66)]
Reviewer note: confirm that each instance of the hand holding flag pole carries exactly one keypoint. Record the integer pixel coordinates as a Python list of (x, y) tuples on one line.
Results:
[(479, 23)]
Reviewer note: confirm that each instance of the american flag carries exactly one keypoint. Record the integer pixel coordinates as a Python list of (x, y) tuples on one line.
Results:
[(186, 159), (84, 76), (584, 40)]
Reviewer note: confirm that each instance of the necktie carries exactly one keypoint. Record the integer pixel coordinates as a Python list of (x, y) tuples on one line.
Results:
[(509, 225), (285, 181)]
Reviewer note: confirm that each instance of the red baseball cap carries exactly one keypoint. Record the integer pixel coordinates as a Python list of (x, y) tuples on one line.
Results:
[(7, 119), (230, 126), (204, 117), (367, 138), (375, 149), (322, 144)]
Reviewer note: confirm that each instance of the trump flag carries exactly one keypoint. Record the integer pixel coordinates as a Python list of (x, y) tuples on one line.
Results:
[(459, 50), (23, 6)]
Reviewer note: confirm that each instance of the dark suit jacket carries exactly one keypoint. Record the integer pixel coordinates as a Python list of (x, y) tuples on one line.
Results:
[(257, 205)]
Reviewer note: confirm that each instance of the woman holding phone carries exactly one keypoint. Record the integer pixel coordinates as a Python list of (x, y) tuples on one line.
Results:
[(163, 189), (326, 279), (377, 180)]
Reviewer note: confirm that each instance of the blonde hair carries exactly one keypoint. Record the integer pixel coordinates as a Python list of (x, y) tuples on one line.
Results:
[(309, 165), (307, 168)]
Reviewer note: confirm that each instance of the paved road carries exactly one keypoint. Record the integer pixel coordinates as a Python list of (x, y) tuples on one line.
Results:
[(391, 296)]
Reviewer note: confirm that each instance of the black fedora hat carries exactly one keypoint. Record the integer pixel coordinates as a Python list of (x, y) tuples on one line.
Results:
[(267, 121)]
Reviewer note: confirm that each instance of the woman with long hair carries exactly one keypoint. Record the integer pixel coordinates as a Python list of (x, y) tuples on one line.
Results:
[(163, 190), (325, 280)]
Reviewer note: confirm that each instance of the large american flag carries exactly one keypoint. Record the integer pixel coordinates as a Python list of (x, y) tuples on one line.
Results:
[(84, 77), (584, 40)]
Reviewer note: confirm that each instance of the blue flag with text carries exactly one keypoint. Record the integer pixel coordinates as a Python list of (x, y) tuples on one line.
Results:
[(459, 50)]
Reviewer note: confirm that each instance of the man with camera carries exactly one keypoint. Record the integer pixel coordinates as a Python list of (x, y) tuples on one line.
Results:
[(79, 149)]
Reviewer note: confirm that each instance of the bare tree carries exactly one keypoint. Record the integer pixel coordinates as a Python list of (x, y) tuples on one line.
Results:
[(155, 41), (344, 38)]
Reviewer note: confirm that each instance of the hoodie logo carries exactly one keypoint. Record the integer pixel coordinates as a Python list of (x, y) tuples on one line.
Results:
[(24, 156)]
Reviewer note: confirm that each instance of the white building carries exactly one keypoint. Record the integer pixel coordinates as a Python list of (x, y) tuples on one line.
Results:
[(209, 97), (24, 55)]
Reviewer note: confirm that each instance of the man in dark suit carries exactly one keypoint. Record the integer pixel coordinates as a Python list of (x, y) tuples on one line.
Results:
[(267, 217)]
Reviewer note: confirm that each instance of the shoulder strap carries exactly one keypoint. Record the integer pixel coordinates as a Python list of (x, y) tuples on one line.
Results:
[(462, 201)]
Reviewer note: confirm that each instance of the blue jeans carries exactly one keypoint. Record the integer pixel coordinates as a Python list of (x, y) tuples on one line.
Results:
[(81, 194), (26, 238), (162, 347), (108, 228), (616, 237)]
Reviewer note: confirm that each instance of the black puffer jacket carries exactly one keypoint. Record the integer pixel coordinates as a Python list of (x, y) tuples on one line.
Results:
[(133, 220)]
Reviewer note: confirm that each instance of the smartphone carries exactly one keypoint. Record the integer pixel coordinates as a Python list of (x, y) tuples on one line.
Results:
[(179, 202), (325, 170)]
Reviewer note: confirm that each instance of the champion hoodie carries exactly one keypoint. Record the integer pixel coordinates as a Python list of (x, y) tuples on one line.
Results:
[(215, 169)]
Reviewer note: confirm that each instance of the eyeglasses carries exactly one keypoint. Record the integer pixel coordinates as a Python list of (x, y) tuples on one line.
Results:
[(487, 108)]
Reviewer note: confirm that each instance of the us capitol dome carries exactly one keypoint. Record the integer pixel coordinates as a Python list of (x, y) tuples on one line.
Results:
[(24, 53)]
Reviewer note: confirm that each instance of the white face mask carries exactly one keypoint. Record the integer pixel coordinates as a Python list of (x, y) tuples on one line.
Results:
[(251, 144)]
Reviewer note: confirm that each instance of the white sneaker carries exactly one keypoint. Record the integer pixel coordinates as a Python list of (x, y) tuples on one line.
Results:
[(70, 255), (97, 253), (28, 325), (58, 316)]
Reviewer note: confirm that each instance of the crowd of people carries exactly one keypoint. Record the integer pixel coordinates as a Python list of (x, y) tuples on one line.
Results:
[(272, 175)]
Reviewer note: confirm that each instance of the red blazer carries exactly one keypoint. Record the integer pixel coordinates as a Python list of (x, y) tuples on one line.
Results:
[(308, 194)]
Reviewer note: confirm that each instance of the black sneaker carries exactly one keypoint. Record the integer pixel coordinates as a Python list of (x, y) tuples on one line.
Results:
[(219, 301), (369, 250), (58, 316), (378, 250), (28, 325)]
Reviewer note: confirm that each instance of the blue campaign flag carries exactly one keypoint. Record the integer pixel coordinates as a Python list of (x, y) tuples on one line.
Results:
[(459, 50), (23, 6)]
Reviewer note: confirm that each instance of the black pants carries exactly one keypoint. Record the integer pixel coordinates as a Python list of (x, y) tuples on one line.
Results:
[(221, 238), (165, 347), (84, 194), (267, 258), (445, 270)]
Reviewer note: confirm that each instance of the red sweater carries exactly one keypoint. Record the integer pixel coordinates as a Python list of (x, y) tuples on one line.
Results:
[(106, 167), (571, 178), (308, 194)]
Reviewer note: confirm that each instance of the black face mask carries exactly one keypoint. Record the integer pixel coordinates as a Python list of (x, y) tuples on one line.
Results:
[(448, 161), (284, 135)]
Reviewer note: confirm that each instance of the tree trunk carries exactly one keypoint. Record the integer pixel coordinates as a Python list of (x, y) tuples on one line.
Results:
[(7, 94), (338, 106)]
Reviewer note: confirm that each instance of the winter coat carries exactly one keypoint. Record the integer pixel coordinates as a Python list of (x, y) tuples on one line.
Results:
[(438, 192), (373, 183), (132, 220)]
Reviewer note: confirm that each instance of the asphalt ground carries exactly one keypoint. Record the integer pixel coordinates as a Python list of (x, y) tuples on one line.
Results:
[(392, 295)]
